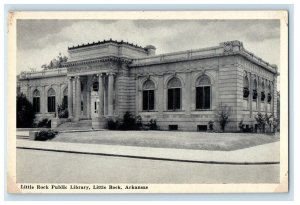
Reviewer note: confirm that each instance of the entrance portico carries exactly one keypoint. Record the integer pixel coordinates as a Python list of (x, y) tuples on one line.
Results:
[(92, 98)]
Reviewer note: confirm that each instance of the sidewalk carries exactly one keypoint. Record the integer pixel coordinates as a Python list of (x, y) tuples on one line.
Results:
[(262, 154)]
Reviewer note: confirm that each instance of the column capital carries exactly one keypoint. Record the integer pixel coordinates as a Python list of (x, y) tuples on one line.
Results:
[(111, 73), (77, 77), (69, 77), (99, 74)]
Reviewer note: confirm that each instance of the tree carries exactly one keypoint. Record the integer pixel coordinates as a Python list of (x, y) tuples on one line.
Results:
[(25, 112), (56, 62), (32, 70), (223, 114), (261, 121)]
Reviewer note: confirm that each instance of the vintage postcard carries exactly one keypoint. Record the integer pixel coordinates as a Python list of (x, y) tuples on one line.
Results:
[(148, 102)]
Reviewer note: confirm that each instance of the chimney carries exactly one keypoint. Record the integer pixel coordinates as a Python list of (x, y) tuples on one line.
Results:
[(150, 50)]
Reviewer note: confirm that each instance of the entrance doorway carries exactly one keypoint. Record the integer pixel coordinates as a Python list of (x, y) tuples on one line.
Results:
[(94, 104)]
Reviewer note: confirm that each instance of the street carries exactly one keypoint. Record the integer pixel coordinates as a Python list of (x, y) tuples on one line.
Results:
[(36, 166)]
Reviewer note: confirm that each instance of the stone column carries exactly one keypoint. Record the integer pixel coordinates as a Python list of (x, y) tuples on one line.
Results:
[(88, 103), (57, 99), (43, 101), (266, 98), (70, 97), (258, 93), (101, 96), (187, 94), (160, 95), (78, 99), (275, 97), (110, 93), (250, 94)]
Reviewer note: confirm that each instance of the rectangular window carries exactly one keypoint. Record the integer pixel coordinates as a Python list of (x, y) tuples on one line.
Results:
[(148, 100), (174, 98), (51, 104), (203, 98), (36, 104)]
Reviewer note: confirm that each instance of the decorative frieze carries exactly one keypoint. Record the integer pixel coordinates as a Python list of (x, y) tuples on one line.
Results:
[(250, 67)]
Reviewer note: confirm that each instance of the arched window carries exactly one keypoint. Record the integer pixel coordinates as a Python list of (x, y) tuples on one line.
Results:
[(148, 95), (246, 88), (203, 93), (36, 101), (65, 98), (174, 94), (254, 94), (51, 100)]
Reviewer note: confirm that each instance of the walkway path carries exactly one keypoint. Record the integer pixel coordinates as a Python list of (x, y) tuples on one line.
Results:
[(262, 154)]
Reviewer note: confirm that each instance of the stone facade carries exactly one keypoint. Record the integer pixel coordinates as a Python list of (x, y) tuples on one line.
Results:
[(106, 79)]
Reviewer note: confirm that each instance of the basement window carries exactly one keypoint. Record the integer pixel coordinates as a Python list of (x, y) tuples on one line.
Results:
[(173, 127), (202, 128)]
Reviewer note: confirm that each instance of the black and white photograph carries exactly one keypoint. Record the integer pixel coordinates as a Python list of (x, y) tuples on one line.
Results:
[(148, 102)]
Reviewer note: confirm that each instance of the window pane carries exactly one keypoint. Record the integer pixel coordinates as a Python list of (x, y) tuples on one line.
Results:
[(65, 101), (51, 104), (207, 97), (36, 104), (170, 99), (198, 97), (201, 97), (177, 98), (151, 99), (145, 100)]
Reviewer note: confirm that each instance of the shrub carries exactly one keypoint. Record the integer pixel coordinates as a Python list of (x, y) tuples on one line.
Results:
[(272, 123), (138, 122), (129, 122), (276, 124), (211, 125), (44, 135), (152, 124), (245, 128), (242, 125), (25, 112), (113, 124), (261, 121), (223, 114), (63, 110), (266, 123), (46, 123)]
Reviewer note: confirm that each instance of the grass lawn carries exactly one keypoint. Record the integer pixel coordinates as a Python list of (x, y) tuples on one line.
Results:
[(168, 139)]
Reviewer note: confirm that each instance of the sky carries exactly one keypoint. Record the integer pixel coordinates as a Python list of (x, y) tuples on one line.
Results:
[(39, 41)]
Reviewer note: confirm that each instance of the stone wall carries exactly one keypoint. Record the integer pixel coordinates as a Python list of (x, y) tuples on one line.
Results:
[(253, 71)]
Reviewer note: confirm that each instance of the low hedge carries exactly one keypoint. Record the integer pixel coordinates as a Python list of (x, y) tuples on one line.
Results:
[(45, 135)]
